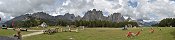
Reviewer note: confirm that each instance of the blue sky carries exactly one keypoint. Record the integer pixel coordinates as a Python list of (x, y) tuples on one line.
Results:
[(137, 9)]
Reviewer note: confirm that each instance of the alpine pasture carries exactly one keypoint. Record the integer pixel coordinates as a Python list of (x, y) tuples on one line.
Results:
[(166, 33)]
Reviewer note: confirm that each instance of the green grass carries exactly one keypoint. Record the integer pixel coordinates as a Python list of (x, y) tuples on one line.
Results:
[(108, 34), (4, 32)]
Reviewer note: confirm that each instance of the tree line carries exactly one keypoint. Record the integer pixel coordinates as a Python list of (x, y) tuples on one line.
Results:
[(100, 23), (167, 22), (60, 22)]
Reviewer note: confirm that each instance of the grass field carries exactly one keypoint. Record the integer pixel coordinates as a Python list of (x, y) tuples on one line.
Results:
[(108, 34), (4, 32)]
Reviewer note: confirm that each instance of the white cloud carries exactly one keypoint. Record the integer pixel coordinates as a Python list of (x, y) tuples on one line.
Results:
[(156, 10), (1, 2), (145, 9), (13, 7), (5, 17)]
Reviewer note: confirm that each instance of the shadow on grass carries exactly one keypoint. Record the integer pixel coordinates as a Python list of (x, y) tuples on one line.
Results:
[(173, 33)]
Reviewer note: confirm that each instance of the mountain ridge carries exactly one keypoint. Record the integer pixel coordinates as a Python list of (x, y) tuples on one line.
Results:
[(88, 16)]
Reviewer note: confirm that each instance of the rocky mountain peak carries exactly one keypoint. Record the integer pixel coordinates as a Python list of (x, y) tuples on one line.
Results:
[(68, 16), (42, 15), (129, 19), (93, 15), (116, 17), (78, 17), (90, 15)]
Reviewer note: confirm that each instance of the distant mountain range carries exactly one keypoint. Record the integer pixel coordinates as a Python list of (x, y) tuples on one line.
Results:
[(143, 23), (89, 16)]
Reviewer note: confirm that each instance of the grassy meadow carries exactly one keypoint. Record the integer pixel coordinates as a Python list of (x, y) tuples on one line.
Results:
[(5, 32), (167, 33)]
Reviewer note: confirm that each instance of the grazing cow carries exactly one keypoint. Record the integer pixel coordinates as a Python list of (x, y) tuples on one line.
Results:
[(66, 29), (137, 33), (141, 29), (54, 30), (130, 34), (46, 31), (51, 31), (81, 27), (125, 28), (61, 30), (76, 30), (152, 30)]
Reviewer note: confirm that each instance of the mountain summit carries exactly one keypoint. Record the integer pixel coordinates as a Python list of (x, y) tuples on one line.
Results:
[(98, 15), (90, 15)]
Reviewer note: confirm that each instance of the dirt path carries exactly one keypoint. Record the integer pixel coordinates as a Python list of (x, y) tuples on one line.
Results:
[(34, 33)]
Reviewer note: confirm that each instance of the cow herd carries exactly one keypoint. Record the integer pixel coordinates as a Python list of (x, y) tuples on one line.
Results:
[(63, 29)]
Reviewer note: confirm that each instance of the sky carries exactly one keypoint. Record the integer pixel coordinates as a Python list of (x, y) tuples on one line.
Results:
[(136, 9)]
